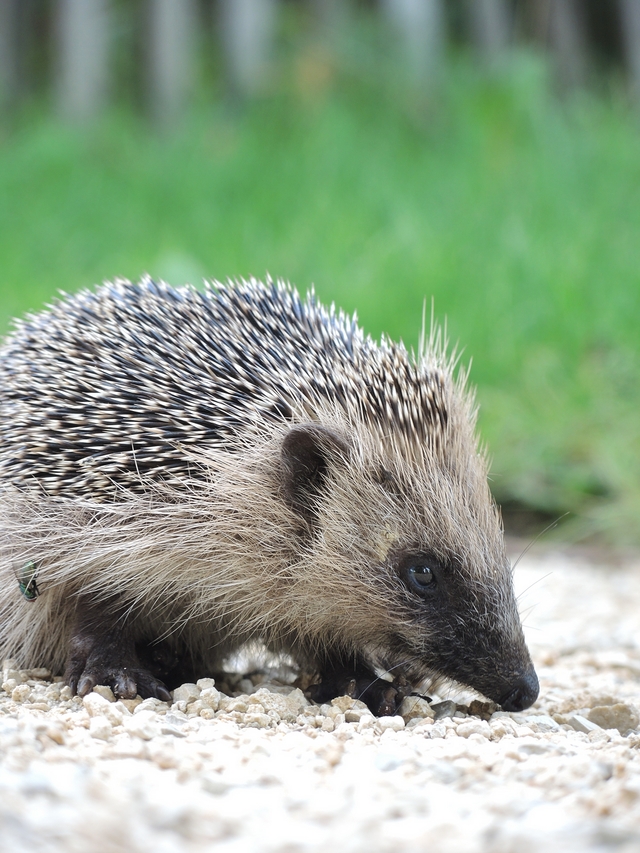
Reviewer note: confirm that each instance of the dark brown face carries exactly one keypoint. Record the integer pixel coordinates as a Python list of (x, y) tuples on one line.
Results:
[(465, 628)]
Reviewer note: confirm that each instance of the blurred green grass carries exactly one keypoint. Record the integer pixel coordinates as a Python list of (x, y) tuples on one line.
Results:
[(519, 215)]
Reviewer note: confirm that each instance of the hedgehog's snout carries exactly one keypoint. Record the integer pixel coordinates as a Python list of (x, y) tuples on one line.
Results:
[(523, 693)]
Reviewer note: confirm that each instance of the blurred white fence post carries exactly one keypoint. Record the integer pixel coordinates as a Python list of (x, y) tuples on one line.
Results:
[(560, 24), (328, 15), (172, 30), (421, 27), (490, 29), (8, 53), (247, 28), (83, 40), (630, 21)]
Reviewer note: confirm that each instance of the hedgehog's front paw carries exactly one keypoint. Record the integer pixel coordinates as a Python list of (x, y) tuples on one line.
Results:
[(92, 662), (382, 697)]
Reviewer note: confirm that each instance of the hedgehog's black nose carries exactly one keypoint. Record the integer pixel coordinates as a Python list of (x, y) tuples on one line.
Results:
[(523, 694)]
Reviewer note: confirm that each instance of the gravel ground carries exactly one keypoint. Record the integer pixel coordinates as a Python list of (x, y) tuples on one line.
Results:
[(266, 771)]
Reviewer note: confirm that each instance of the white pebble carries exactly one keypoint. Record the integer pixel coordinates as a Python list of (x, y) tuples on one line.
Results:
[(186, 693), (541, 723), (257, 720), (97, 706), (100, 728), (105, 692), (210, 697), (385, 724), (581, 724), (144, 725), (620, 716), (21, 693), (523, 731), (414, 707), (437, 730), (151, 704), (474, 727)]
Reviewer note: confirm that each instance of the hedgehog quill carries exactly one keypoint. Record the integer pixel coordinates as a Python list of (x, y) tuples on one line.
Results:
[(185, 472)]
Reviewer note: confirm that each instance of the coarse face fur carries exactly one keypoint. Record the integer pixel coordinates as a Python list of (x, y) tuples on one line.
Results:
[(237, 465)]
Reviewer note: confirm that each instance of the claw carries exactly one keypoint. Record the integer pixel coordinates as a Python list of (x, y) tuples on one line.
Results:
[(163, 694), (124, 687), (85, 685)]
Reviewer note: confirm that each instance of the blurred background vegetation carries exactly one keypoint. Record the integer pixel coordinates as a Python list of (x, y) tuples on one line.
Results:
[(481, 153)]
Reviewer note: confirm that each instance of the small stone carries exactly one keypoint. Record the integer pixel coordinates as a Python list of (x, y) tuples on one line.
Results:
[(186, 693), (105, 692), (437, 730), (210, 696), (205, 683), (500, 728), (366, 721), (8, 664), (128, 706), (39, 673), (385, 724), (354, 715), (599, 736), (582, 724), (414, 707), (348, 703), (296, 700), (151, 704), (444, 709), (100, 728), (55, 733), (474, 727), (285, 708), (244, 686), (21, 693), (171, 730), (419, 722), (484, 710), (97, 706), (65, 693), (541, 723), (620, 716), (257, 720), (52, 693), (144, 725), (229, 703), (523, 731)]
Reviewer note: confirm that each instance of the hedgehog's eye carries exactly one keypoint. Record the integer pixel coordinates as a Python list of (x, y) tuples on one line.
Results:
[(421, 578)]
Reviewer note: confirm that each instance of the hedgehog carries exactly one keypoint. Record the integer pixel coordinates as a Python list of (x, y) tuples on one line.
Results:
[(184, 472)]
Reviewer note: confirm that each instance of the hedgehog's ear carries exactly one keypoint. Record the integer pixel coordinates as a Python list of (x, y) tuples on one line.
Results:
[(307, 451)]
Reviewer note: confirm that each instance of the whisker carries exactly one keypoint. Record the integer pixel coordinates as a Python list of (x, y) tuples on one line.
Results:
[(533, 541), (390, 669), (531, 585)]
